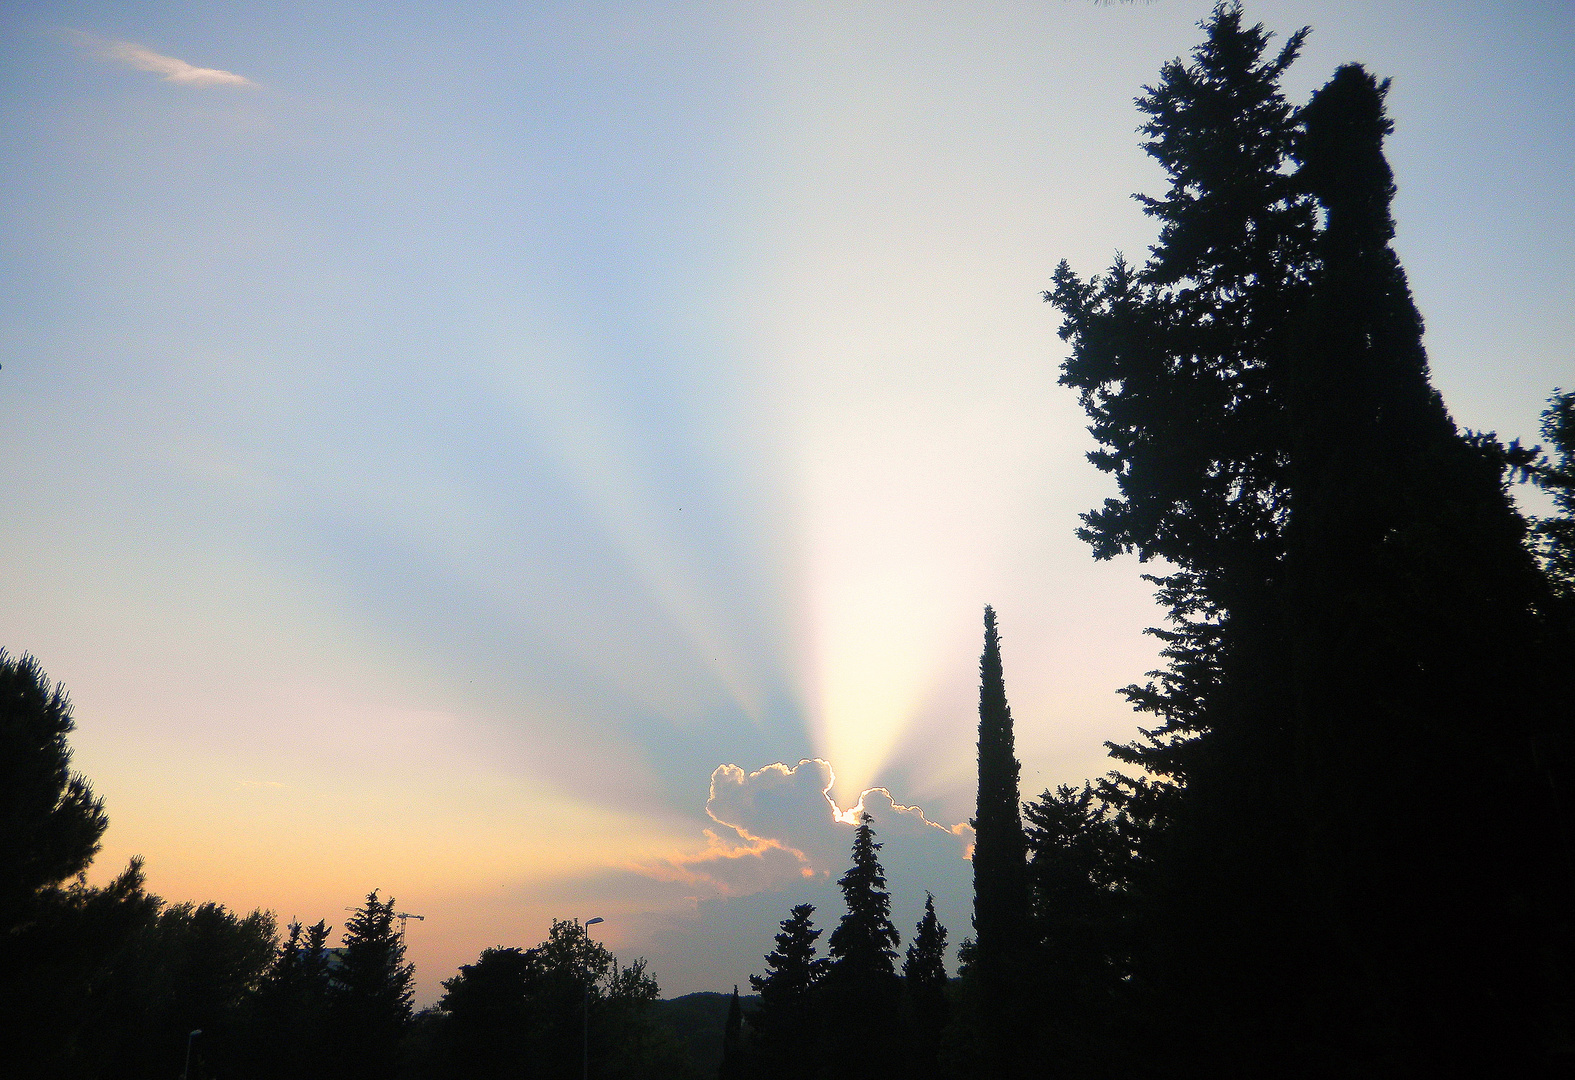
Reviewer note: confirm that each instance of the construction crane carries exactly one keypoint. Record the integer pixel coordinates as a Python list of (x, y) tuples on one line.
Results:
[(403, 916)]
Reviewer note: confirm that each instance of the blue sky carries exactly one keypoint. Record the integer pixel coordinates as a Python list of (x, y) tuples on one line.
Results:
[(435, 438)]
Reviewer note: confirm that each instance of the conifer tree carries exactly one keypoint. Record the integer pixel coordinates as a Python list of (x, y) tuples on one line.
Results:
[(924, 992), (733, 1067), (1000, 873), (1554, 536), (58, 936), (1182, 366), (862, 997), (370, 1002), (786, 1022), (1419, 649), (1358, 635), (863, 946), (284, 1035), (50, 817)]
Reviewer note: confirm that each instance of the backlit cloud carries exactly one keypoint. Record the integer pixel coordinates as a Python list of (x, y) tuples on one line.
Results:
[(168, 68), (779, 825)]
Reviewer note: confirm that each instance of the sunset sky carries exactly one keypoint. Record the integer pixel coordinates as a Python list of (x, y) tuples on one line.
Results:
[(456, 449)]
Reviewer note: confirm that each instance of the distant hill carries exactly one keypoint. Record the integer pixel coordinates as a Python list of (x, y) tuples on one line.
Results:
[(697, 1021)]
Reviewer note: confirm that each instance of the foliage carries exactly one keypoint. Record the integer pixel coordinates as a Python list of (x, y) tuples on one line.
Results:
[(1555, 535), (542, 1008), (369, 998), (1001, 908), (1357, 637), (733, 1064), (49, 815), (786, 1022), (924, 992), (862, 994), (59, 938), (863, 947)]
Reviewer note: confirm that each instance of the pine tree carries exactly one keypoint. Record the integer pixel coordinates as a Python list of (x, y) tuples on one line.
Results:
[(58, 937), (862, 994), (284, 1035), (1180, 366), (1358, 635), (370, 1002), (863, 947), (50, 817), (1000, 872), (924, 992), (787, 1020)]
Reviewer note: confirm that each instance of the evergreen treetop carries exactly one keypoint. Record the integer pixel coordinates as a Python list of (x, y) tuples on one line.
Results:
[(863, 946)]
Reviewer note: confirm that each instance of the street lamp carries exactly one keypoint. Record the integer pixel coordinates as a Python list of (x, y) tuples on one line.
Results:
[(185, 1074), (585, 1042)]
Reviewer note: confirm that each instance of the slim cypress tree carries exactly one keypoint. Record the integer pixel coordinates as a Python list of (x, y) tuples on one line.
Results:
[(1000, 872)]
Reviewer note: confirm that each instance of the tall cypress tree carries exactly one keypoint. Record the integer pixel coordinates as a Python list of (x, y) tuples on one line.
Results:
[(1419, 649), (1000, 873)]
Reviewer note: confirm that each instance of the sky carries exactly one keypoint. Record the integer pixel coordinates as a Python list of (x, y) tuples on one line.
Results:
[(549, 461)]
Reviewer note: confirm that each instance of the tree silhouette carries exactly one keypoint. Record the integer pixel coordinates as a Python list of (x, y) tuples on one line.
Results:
[(527, 1011), (863, 946), (1555, 535), (1182, 367), (1414, 605), (786, 1021), (862, 991), (1358, 636), (1078, 870), (59, 936), (284, 1030), (1001, 907), (733, 1066), (924, 992), (370, 999)]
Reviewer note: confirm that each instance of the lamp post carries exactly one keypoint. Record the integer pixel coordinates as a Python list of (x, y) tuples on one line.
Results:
[(185, 1074), (585, 1041)]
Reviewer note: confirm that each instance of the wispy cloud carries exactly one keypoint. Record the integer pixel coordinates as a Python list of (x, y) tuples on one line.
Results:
[(168, 68)]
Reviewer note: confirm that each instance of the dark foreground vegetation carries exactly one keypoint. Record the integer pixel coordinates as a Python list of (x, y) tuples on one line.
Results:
[(1343, 846)]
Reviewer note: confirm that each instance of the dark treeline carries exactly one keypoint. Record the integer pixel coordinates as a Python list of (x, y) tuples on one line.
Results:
[(1343, 847), (112, 983), (1344, 844)]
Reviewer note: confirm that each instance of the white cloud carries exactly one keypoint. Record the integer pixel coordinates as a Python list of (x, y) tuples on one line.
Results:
[(168, 68), (779, 826)]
